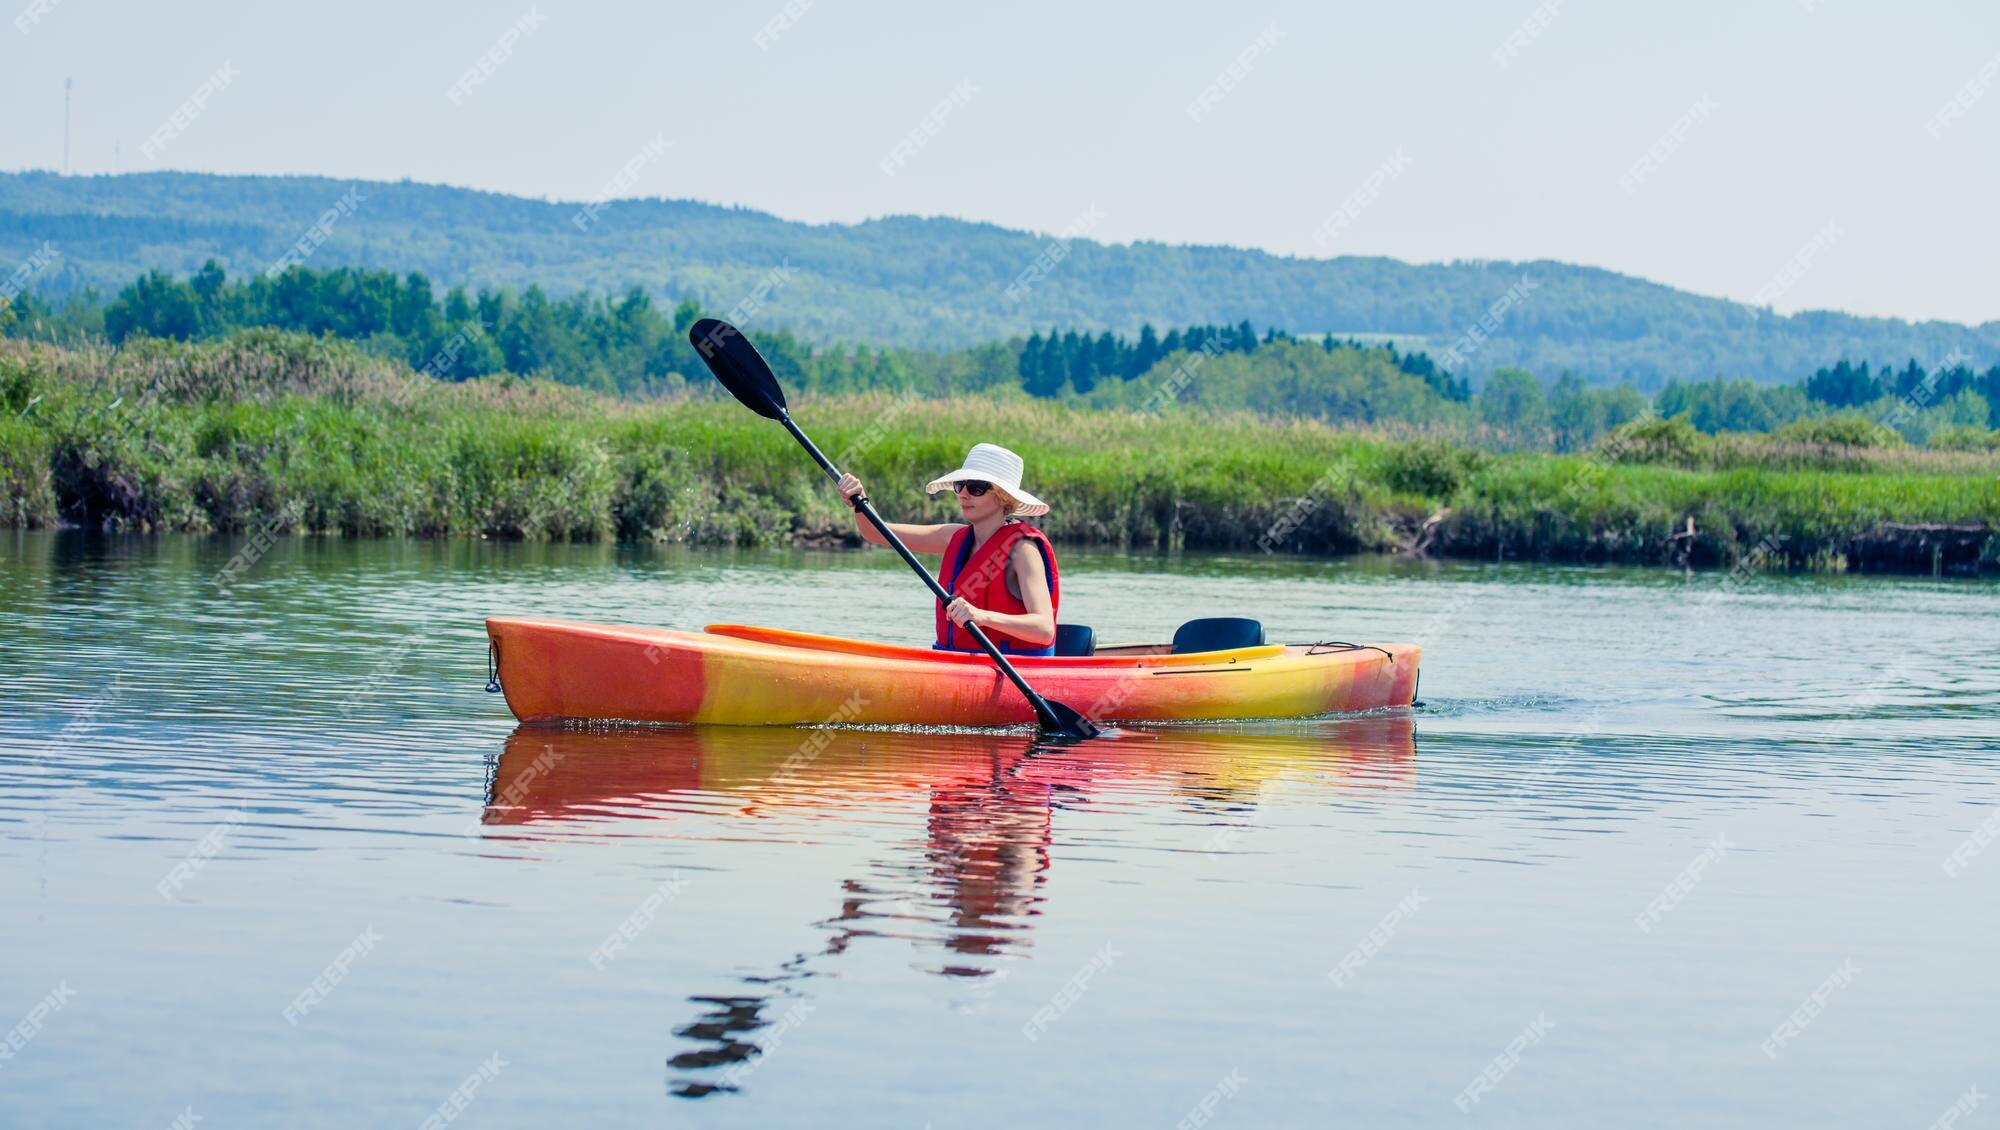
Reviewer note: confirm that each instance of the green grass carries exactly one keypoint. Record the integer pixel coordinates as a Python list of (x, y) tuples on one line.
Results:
[(233, 431)]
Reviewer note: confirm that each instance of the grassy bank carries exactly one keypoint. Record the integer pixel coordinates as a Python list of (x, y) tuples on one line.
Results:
[(240, 434)]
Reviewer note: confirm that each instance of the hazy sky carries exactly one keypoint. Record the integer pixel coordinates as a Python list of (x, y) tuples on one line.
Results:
[(1800, 113)]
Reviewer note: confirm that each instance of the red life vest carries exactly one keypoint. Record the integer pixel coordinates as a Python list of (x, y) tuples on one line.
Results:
[(980, 576)]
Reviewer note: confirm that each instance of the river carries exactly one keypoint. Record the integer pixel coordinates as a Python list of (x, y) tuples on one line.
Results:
[(1665, 848)]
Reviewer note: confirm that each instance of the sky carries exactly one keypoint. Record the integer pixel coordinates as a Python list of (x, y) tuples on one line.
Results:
[(1801, 132)]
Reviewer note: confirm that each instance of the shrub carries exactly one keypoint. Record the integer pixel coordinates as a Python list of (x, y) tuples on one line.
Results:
[(1965, 437), (1845, 429), (1429, 467)]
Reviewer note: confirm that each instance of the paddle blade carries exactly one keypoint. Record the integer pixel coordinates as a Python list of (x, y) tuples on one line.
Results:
[(1067, 722), (738, 365)]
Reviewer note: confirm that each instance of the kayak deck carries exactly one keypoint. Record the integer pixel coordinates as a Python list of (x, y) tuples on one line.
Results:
[(1119, 655), (742, 675)]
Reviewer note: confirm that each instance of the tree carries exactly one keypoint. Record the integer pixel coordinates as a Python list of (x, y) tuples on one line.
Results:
[(1146, 353), (1512, 401), (1844, 385), (155, 305)]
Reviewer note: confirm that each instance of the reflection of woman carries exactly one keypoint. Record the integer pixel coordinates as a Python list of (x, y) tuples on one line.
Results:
[(1019, 615), (989, 848)]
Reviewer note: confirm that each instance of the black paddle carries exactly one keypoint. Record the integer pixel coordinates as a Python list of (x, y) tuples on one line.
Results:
[(744, 372)]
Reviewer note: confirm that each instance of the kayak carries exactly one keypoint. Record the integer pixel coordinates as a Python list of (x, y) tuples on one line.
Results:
[(739, 675)]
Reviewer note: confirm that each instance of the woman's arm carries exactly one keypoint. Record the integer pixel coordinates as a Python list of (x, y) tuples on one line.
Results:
[(920, 539), (1037, 626)]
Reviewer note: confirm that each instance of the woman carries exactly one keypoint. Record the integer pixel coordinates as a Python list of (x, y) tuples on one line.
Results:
[(1000, 571)]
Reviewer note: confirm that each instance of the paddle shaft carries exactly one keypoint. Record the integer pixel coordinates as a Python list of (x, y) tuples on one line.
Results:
[(867, 510)]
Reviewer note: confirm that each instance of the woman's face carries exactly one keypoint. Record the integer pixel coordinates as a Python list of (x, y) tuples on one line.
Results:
[(987, 505)]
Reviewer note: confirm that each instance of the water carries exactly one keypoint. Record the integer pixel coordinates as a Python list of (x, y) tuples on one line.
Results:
[(209, 799)]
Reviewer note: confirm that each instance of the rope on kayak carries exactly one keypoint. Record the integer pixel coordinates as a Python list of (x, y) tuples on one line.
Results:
[(492, 665), (1339, 645)]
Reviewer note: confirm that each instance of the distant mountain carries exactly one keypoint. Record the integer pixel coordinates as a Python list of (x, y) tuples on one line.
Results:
[(931, 282)]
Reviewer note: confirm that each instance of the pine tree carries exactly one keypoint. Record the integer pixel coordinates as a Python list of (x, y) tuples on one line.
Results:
[(1147, 353)]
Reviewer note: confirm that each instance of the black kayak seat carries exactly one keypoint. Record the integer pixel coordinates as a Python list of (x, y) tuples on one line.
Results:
[(1218, 633), (1075, 639)]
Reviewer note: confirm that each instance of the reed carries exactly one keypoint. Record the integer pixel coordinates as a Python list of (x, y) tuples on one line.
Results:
[(223, 436)]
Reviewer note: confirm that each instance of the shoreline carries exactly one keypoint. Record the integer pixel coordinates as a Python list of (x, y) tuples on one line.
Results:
[(270, 435)]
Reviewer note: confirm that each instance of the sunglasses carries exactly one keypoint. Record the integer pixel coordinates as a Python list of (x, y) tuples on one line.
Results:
[(973, 487)]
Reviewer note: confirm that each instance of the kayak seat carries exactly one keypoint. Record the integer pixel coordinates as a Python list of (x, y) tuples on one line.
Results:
[(1075, 639), (1218, 633)]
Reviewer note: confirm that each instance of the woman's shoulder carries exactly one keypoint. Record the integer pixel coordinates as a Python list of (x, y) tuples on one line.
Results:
[(1029, 540)]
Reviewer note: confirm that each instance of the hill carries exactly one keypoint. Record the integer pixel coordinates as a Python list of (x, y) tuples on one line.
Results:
[(931, 282)]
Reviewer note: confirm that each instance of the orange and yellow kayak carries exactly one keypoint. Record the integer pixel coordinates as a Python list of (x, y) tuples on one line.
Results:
[(737, 675)]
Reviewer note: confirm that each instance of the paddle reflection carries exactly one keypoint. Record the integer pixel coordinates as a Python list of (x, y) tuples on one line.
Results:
[(966, 890)]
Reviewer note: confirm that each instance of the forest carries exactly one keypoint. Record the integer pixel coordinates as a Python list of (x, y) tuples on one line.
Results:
[(627, 346), (930, 283)]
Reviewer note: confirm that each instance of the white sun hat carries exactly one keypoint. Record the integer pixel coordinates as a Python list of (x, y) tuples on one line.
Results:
[(994, 464)]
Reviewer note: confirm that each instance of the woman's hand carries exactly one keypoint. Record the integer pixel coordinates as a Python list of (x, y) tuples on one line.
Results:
[(961, 613), (850, 487)]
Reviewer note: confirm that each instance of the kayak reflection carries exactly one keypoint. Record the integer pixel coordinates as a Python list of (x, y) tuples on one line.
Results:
[(970, 886)]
